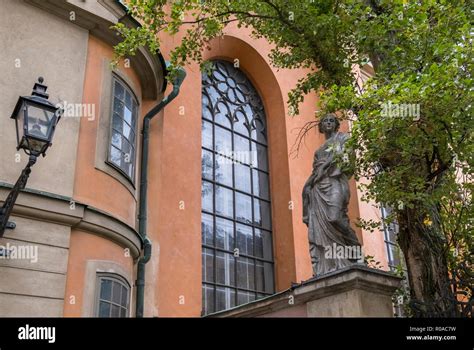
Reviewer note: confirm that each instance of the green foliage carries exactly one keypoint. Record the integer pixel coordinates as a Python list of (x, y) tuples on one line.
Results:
[(401, 297), (368, 225), (370, 261)]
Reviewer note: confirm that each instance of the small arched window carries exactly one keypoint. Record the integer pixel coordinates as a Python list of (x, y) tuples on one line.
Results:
[(113, 296), (237, 255)]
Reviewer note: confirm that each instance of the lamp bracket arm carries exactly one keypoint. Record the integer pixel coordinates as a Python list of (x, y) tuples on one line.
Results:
[(7, 207)]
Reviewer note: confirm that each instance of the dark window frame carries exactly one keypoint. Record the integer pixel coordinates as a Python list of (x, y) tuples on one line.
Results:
[(133, 128), (114, 278), (267, 265), (389, 243)]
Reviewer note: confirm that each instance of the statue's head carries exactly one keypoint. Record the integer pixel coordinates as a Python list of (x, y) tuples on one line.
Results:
[(328, 123)]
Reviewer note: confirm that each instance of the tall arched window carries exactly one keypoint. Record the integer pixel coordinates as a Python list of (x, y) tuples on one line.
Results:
[(237, 256)]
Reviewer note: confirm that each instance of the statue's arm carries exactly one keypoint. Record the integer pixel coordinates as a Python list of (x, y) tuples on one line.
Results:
[(321, 169)]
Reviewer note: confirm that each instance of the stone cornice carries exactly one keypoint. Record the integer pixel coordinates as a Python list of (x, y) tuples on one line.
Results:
[(352, 277), (61, 210), (97, 18)]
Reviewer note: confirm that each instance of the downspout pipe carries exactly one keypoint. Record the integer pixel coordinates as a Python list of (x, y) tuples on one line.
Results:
[(142, 214)]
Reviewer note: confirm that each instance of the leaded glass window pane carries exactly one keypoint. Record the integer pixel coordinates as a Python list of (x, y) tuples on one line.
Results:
[(122, 153), (113, 296), (236, 222)]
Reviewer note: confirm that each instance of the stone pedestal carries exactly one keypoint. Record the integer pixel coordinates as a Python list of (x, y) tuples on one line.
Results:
[(356, 291), (353, 292)]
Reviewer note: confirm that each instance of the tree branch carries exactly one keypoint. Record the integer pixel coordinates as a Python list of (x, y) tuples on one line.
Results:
[(303, 131)]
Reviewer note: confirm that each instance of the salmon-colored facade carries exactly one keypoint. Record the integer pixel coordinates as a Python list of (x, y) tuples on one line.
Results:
[(103, 232)]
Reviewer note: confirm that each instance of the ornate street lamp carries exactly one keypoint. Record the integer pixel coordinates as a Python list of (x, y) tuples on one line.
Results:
[(36, 119)]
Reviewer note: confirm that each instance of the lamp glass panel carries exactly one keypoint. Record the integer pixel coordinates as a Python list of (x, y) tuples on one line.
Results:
[(40, 122)]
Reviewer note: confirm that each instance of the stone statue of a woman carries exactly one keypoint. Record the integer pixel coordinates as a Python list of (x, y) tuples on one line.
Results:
[(325, 200)]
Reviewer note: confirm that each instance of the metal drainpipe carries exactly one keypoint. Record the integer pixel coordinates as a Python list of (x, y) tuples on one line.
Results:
[(142, 215)]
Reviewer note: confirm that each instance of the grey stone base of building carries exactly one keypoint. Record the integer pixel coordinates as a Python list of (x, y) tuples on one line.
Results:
[(356, 291)]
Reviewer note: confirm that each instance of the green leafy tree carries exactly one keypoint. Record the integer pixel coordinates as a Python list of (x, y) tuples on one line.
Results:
[(411, 122)]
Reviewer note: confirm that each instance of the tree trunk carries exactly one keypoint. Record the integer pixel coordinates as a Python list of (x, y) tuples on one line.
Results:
[(424, 246)]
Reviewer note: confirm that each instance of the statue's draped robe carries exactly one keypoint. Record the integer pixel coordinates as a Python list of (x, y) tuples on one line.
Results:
[(325, 208)]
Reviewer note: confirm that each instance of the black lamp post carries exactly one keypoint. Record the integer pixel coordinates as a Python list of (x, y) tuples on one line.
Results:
[(36, 119)]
